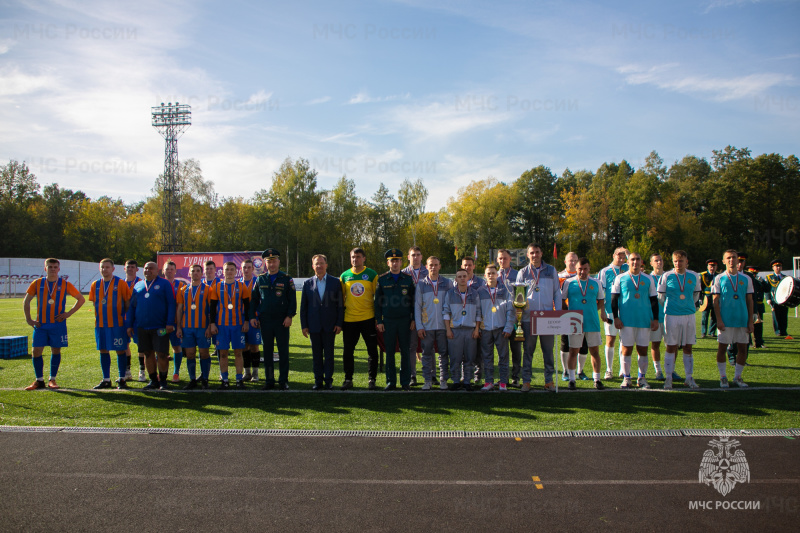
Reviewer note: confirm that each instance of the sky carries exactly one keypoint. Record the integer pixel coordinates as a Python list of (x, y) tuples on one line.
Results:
[(446, 91)]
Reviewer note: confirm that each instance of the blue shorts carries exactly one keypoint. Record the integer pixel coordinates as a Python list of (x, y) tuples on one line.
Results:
[(135, 338), (52, 335), (195, 337), (230, 336), (174, 340), (113, 339), (253, 336)]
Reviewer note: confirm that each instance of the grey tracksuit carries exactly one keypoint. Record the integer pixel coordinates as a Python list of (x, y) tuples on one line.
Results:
[(433, 324), (498, 318), (463, 319)]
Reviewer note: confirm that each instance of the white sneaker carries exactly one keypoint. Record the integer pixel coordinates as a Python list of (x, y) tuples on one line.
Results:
[(142, 375), (660, 376), (443, 385), (426, 385), (487, 387), (128, 375), (740, 383), (608, 375), (723, 382), (247, 376), (691, 384), (642, 383), (626, 383), (254, 375), (668, 383)]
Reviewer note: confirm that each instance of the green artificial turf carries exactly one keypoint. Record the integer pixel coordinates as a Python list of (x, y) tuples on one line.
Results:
[(75, 405)]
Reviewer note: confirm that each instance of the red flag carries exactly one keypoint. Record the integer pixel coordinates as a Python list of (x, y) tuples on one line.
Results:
[(555, 251)]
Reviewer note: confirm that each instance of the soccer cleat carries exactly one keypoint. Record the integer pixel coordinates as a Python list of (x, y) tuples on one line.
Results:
[(583, 376), (102, 385), (175, 378), (347, 384), (739, 383), (503, 387), (329, 386), (204, 384), (550, 387), (642, 383), (413, 382), (660, 376), (247, 375), (676, 377), (406, 388), (626, 383), (515, 382), (599, 385), (723, 382), (128, 375), (608, 375), (37, 384), (153, 385), (426, 385), (691, 384), (371, 384), (487, 387), (142, 376), (122, 384), (283, 386), (224, 386), (52, 384), (240, 384), (255, 375), (163, 385), (443, 385), (317, 387), (191, 385), (526, 387), (572, 385), (564, 377), (390, 387), (789, 338), (668, 383)]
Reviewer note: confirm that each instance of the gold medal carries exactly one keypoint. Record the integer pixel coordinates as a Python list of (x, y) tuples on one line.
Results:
[(436, 300), (494, 309), (683, 296)]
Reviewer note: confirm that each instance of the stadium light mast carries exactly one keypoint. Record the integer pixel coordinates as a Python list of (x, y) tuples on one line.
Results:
[(171, 120)]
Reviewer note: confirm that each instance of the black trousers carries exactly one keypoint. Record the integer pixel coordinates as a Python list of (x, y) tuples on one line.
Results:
[(322, 354), (351, 331), (780, 320)]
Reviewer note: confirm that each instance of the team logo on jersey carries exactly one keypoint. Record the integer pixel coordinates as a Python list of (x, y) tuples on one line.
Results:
[(356, 289), (157, 287), (723, 468), (364, 277), (257, 263)]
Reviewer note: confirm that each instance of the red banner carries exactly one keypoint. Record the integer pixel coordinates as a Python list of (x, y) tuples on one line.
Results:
[(184, 262)]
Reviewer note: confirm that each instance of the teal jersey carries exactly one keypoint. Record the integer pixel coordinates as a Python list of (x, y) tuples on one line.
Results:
[(634, 299), (583, 296), (733, 291), (657, 279), (606, 278), (680, 291)]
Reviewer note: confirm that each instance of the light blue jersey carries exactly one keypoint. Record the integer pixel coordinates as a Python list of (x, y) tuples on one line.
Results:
[(634, 300), (680, 290), (606, 278), (583, 296), (733, 291)]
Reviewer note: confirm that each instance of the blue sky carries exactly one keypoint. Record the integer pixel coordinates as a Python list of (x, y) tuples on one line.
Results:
[(446, 91)]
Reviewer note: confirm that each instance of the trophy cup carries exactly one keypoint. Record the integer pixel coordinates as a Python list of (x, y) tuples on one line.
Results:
[(520, 304)]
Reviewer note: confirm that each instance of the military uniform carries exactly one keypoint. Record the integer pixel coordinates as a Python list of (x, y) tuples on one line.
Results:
[(274, 298), (394, 308), (708, 321), (759, 286), (780, 313)]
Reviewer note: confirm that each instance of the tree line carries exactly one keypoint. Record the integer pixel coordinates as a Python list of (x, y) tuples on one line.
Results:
[(734, 201)]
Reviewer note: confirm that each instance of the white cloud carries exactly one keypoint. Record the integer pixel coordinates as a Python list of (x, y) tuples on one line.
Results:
[(717, 88), (317, 101), (364, 98), (443, 120)]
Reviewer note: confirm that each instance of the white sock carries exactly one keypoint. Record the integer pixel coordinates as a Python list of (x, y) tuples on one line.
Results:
[(621, 357), (609, 358), (626, 366), (669, 364), (688, 366), (642, 366), (738, 373), (657, 366), (581, 361), (596, 376), (564, 356), (723, 373), (572, 374)]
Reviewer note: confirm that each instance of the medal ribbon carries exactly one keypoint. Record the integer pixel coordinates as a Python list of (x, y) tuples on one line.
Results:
[(682, 286), (51, 290), (463, 299), (147, 287), (637, 281), (492, 294), (734, 283), (435, 286), (580, 287), (535, 275)]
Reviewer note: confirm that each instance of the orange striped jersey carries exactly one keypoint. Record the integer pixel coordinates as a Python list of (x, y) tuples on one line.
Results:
[(250, 285), (230, 309), (200, 298), (51, 298), (177, 287), (130, 284), (110, 298)]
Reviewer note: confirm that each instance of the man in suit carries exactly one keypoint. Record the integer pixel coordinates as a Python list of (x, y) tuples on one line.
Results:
[(322, 317)]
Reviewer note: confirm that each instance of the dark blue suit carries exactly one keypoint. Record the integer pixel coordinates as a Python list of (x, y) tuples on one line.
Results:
[(320, 316)]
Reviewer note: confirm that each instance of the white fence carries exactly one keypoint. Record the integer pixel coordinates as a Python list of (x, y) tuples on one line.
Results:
[(16, 274)]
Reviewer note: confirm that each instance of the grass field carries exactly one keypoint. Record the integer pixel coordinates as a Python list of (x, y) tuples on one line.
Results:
[(75, 405)]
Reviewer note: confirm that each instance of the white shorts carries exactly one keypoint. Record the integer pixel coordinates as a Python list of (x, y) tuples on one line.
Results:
[(593, 339), (611, 329), (733, 336), (630, 337), (657, 335), (680, 330)]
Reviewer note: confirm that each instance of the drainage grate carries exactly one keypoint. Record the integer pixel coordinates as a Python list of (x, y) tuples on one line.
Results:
[(737, 432), (630, 433)]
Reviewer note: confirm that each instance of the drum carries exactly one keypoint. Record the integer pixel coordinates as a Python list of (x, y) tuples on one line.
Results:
[(788, 292)]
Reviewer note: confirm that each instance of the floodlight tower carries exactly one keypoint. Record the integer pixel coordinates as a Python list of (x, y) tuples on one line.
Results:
[(171, 120)]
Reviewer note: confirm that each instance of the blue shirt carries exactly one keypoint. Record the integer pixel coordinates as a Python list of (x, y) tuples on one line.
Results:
[(635, 312), (675, 286), (152, 305), (321, 283), (573, 290)]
